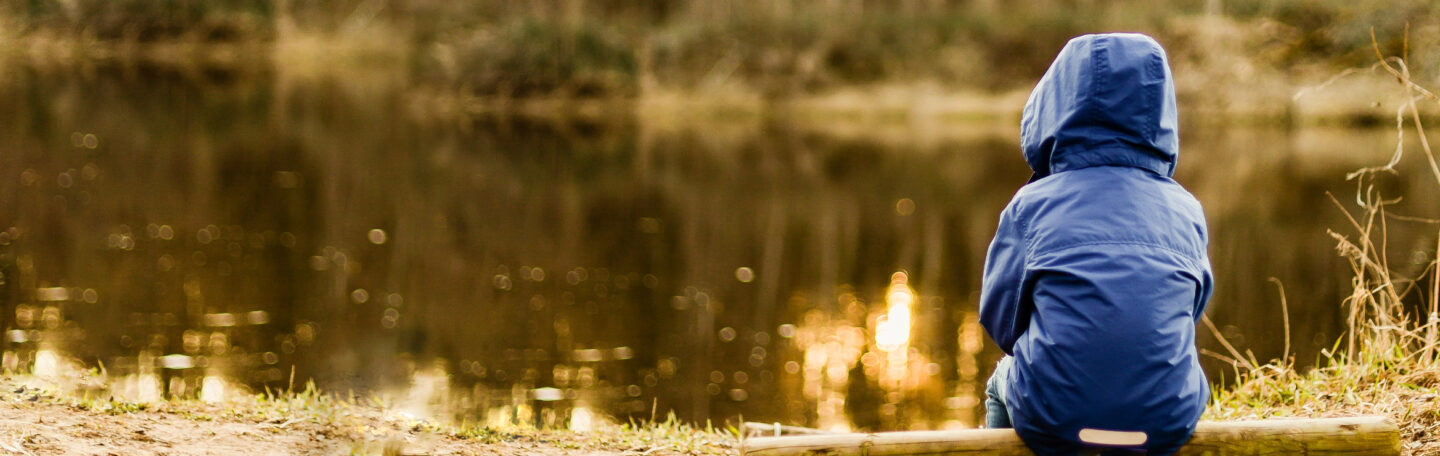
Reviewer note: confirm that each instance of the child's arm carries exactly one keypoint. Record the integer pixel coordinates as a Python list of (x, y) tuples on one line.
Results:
[(1207, 281), (1004, 306)]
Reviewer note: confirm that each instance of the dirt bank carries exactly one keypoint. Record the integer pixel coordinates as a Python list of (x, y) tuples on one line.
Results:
[(40, 421)]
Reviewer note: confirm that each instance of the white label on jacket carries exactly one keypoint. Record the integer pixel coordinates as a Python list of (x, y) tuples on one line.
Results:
[(1116, 438)]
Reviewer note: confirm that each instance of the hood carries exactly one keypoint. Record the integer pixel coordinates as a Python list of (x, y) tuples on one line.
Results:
[(1107, 100)]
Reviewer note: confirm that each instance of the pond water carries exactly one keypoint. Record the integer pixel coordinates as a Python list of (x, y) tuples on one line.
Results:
[(198, 233)]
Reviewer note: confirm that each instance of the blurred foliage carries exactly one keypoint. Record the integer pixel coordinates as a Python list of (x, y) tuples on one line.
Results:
[(615, 47), (533, 58), (148, 20), (1338, 31)]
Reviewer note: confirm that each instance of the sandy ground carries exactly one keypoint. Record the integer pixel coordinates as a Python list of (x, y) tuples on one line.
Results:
[(35, 423)]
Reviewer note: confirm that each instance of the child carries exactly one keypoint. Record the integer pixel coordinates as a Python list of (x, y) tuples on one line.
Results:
[(1098, 271)]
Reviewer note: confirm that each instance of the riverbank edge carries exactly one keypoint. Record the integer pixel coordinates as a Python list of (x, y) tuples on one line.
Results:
[(75, 414), (44, 416)]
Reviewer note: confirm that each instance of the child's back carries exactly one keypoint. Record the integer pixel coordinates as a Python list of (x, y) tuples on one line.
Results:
[(1098, 271)]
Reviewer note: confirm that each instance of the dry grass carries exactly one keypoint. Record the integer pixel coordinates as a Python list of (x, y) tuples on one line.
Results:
[(78, 410), (1389, 360), (76, 414)]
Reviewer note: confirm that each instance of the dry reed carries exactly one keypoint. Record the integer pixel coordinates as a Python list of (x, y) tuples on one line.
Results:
[(1388, 362)]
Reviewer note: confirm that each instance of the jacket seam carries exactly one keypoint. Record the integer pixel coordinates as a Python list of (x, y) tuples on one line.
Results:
[(1189, 257), (1100, 71), (1152, 99), (1024, 230)]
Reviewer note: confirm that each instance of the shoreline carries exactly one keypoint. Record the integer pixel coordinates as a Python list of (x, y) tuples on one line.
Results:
[(39, 416), (1346, 98)]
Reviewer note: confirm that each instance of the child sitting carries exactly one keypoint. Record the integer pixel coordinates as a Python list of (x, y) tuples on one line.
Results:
[(1098, 271)]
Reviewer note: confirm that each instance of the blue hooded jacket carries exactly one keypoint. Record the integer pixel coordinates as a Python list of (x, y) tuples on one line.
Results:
[(1098, 271)]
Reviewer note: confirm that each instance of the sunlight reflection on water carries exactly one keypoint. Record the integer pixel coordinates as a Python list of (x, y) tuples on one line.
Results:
[(213, 389), (46, 364)]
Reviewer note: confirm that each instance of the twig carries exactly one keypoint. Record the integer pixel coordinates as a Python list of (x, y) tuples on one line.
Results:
[(1402, 79), (283, 425), (1411, 218), (1403, 76), (1223, 358), (1285, 314), (1434, 304), (1226, 343)]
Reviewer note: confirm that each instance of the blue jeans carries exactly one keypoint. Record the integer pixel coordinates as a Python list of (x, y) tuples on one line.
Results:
[(997, 414)]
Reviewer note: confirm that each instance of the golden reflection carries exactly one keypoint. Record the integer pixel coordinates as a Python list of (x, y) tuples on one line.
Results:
[(582, 419), (137, 388), (24, 316), (744, 274), (427, 396), (50, 318), (212, 388), (47, 364), (52, 294), (522, 412), (831, 349), (219, 320), (961, 406), (257, 317), (177, 362), (860, 370), (892, 330), (905, 206), (376, 236), (178, 387), (499, 416), (143, 385)]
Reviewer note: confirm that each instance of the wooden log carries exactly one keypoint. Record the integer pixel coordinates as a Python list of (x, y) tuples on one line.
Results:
[(1321, 436), (754, 429)]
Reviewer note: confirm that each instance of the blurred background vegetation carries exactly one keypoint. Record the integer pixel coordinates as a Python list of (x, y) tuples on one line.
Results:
[(761, 51)]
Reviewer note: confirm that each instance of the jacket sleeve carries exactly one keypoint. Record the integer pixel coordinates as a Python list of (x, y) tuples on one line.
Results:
[(1202, 296), (1004, 308), (1207, 279)]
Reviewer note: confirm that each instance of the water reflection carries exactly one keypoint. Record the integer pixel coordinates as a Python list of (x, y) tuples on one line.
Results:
[(212, 388), (892, 330), (46, 364), (198, 239)]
